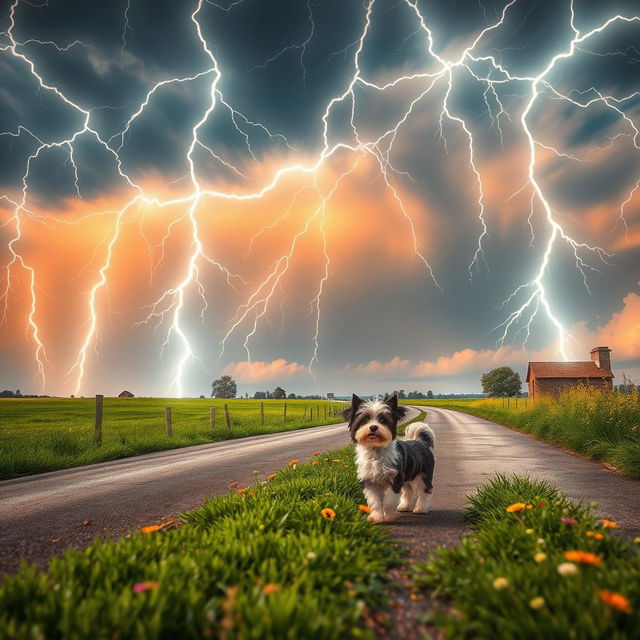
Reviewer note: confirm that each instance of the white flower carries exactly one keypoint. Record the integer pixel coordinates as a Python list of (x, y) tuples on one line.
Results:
[(567, 569)]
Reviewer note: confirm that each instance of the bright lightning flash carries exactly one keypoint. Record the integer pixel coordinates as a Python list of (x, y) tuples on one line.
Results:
[(475, 63)]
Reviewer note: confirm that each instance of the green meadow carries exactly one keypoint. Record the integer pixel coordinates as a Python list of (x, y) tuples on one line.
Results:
[(46, 434)]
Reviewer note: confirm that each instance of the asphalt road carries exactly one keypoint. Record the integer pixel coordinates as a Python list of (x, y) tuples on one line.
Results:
[(42, 515), (126, 494), (469, 450)]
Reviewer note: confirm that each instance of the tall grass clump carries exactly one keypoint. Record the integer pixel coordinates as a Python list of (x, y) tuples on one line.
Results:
[(290, 558), (537, 565), (602, 425)]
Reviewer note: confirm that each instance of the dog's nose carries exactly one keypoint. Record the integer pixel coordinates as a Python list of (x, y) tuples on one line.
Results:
[(373, 428)]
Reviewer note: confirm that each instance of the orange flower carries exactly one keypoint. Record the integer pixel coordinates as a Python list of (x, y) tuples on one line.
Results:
[(271, 476), (314, 462), (151, 528), (593, 534), (616, 601), (241, 490), (529, 506), (270, 588), (583, 557), (335, 461), (329, 514), (609, 524), (515, 507), (293, 462), (363, 507)]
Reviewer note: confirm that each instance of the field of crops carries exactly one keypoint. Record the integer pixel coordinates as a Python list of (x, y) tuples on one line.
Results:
[(45, 434)]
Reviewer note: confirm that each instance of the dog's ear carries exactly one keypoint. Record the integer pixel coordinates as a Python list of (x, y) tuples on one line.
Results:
[(398, 411), (349, 413)]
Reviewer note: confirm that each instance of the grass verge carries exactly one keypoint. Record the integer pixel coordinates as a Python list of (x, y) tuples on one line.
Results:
[(601, 426), (260, 562), (549, 571), (46, 434)]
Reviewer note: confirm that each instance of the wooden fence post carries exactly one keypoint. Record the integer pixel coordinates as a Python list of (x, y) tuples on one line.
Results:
[(167, 413), (305, 412), (284, 415), (311, 413), (262, 413), (226, 415), (212, 417), (97, 432), (325, 411)]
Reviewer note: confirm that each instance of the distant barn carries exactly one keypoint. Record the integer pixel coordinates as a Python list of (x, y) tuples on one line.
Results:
[(552, 378), (126, 394)]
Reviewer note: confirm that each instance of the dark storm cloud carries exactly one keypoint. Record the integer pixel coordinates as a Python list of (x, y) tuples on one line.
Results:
[(289, 92)]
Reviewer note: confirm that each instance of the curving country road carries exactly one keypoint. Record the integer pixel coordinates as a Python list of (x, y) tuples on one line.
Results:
[(469, 450), (44, 514), (122, 495)]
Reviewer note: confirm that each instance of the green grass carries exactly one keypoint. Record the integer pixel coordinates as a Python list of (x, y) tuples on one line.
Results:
[(601, 426), (504, 545), (39, 435), (213, 572)]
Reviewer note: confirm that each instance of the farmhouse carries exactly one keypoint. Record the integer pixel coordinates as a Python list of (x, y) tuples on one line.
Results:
[(126, 394), (551, 378)]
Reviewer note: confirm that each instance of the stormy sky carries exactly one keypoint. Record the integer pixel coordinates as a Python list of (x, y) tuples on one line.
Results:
[(330, 196)]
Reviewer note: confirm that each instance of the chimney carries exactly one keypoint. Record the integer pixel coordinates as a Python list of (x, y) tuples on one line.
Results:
[(601, 357)]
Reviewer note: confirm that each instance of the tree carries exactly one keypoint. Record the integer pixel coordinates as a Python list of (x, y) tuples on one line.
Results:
[(224, 387), (401, 394), (429, 394), (279, 393), (503, 381), (291, 396), (259, 395)]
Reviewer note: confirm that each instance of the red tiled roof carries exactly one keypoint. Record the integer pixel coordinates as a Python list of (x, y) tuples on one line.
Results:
[(566, 370)]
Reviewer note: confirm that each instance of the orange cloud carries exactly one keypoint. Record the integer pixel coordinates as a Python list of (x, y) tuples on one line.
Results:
[(264, 371), (621, 333), (464, 361)]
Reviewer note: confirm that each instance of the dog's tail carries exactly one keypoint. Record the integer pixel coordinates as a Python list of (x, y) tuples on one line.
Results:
[(421, 431)]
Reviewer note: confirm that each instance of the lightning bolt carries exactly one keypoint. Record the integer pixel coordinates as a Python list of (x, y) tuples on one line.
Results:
[(476, 62)]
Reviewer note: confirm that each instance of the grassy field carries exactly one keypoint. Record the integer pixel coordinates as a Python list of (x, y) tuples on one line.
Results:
[(39, 435), (536, 566), (291, 558), (602, 426)]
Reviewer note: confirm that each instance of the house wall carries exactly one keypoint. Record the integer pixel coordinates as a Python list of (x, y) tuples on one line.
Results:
[(555, 386)]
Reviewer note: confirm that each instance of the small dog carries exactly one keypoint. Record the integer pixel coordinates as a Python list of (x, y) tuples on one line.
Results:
[(395, 474)]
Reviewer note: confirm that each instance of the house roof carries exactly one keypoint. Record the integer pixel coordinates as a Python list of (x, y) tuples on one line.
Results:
[(587, 369)]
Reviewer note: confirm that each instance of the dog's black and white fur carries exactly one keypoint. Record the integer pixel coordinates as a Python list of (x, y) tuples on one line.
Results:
[(396, 474)]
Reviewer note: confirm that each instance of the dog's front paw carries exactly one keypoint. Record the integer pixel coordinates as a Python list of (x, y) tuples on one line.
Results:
[(420, 509), (375, 518), (405, 507)]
